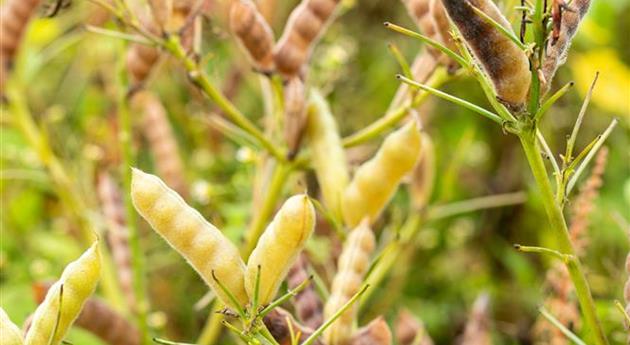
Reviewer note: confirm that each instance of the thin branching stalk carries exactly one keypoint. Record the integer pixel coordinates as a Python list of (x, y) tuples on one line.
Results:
[(476, 204), (137, 254)]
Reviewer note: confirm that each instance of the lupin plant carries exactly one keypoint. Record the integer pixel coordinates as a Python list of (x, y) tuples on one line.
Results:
[(350, 203)]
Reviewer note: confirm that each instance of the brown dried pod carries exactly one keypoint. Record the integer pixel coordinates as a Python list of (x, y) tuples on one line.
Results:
[(556, 52), (99, 319), (253, 32), (376, 332), (157, 129), (14, 18), (308, 305), (277, 322), (419, 11), (140, 61), (111, 202), (442, 26), (294, 114), (503, 61), (306, 23), (409, 330), (477, 331), (352, 265)]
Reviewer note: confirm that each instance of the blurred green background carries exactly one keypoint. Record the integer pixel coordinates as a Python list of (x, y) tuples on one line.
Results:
[(69, 78)]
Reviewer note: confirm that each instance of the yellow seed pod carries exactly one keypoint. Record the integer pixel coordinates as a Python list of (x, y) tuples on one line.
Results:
[(352, 265), (502, 60), (9, 333), (423, 175), (253, 33), (199, 242), (327, 154), (77, 283), (279, 246), (376, 181)]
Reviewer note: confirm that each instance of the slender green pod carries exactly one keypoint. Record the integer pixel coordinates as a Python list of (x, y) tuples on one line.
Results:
[(352, 265), (279, 247), (65, 299), (423, 175), (503, 61), (253, 32), (9, 333), (327, 154), (199, 242), (376, 181)]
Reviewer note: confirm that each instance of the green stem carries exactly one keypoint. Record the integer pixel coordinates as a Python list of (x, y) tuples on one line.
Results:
[(559, 227), (212, 329), (203, 82), (137, 254), (272, 194)]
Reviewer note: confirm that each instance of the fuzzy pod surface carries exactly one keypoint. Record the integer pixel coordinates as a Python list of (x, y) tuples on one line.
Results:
[(305, 24), (253, 32), (327, 153), (65, 299), (279, 247), (502, 60), (101, 320), (352, 266), (10, 334), (376, 181), (199, 242)]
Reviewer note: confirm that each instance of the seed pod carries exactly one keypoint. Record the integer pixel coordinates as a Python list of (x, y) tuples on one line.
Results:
[(306, 23), (199, 242), (294, 114), (14, 18), (376, 181), (277, 322), (327, 153), (253, 33), (77, 283), (101, 320), (423, 175), (441, 24), (556, 52), (279, 246), (409, 330), (157, 129), (502, 60), (477, 331), (117, 232), (308, 305), (419, 11), (9, 333), (376, 332), (352, 265), (140, 62)]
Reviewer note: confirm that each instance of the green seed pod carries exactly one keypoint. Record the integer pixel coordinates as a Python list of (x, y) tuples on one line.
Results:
[(376, 181), (199, 242), (423, 175), (279, 246), (77, 283), (502, 60), (327, 153), (9, 333), (352, 265)]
